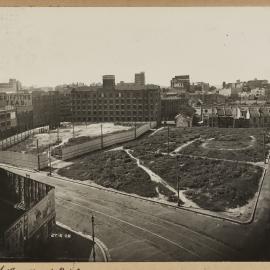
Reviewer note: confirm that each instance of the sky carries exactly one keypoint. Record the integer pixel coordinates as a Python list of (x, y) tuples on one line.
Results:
[(52, 46)]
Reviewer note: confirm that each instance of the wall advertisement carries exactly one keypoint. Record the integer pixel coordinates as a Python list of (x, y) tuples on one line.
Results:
[(14, 238), (41, 213)]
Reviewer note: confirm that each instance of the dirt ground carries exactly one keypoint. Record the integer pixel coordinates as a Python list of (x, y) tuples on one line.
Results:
[(64, 134)]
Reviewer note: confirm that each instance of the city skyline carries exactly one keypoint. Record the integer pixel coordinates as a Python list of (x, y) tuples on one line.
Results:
[(52, 46)]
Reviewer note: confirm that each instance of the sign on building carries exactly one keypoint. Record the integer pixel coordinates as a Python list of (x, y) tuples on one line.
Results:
[(41, 213)]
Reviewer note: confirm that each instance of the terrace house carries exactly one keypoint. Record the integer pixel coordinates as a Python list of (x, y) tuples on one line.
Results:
[(254, 120), (265, 116)]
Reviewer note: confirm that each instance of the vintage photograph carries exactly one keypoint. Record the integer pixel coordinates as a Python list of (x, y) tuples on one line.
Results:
[(134, 134)]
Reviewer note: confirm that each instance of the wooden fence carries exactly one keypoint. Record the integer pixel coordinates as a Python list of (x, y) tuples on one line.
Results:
[(69, 152)]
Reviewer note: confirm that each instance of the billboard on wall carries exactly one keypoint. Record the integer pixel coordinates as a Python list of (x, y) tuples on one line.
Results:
[(14, 238), (41, 213)]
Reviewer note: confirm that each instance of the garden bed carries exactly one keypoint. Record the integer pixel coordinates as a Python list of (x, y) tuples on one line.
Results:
[(222, 143), (159, 141), (211, 184), (112, 169), (233, 144), (215, 185)]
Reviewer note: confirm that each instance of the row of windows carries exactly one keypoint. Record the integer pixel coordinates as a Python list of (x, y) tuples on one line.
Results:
[(5, 124), (20, 97), (111, 113), (112, 95), (4, 116), (112, 119), (77, 108), (113, 100)]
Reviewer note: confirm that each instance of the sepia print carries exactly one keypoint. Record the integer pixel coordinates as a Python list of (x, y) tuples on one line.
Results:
[(134, 134)]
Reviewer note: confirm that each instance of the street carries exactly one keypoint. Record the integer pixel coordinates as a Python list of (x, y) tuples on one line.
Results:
[(138, 230)]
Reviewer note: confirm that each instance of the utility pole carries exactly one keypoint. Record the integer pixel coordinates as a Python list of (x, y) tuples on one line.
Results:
[(38, 156), (101, 136), (264, 156), (73, 131), (212, 117), (93, 237), (177, 179), (168, 140), (58, 139), (135, 130), (50, 160)]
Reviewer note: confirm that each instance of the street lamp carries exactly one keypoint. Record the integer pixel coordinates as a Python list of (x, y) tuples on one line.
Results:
[(168, 140), (93, 237), (177, 166)]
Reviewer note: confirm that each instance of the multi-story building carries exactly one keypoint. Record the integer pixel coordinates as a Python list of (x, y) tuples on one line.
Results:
[(108, 81), (3, 99), (46, 108), (257, 84), (8, 119), (181, 83), (172, 106), (64, 103), (12, 86), (200, 87), (140, 78), (22, 102), (113, 103), (27, 209)]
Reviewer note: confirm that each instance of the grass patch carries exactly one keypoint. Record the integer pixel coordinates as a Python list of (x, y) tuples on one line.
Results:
[(212, 184), (229, 138), (113, 169)]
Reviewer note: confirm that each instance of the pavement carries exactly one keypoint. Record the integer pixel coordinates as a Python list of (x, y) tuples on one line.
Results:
[(133, 230)]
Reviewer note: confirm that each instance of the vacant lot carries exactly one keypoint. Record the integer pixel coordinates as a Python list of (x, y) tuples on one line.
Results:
[(233, 145), (64, 135), (215, 185), (223, 143), (112, 169), (159, 141), (212, 184)]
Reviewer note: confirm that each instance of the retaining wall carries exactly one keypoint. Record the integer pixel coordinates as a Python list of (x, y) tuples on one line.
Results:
[(68, 152)]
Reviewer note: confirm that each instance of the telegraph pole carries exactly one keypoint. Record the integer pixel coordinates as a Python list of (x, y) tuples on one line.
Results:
[(135, 130), (212, 117), (50, 160), (93, 237), (178, 184), (58, 138), (38, 156), (168, 138), (264, 156), (101, 136)]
